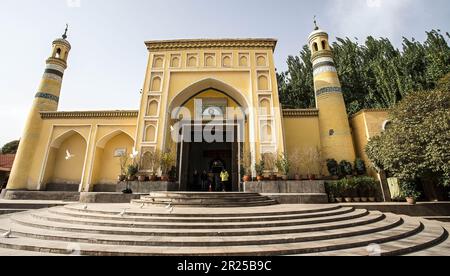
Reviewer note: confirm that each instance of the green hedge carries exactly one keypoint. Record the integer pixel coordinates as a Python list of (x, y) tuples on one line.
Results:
[(353, 187)]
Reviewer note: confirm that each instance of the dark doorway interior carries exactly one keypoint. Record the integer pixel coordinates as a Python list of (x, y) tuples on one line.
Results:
[(197, 157)]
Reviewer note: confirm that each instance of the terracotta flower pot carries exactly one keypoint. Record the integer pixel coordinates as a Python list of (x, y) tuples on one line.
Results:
[(122, 178), (273, 178), (165, 178), (131, 178), (411, 201), (312, 177), (141, 178), (260, 178), (247, 178), (298, 177), (153, 178), (284, 177)]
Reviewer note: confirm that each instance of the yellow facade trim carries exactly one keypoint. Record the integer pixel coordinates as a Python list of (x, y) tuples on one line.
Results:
[(296, 113), (90, 114), (183, 44)]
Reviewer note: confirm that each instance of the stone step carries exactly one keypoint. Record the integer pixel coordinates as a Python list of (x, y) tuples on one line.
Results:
[(196, 200), (202, 195), (429, 235), (22, 253), (31, 232), (210, 200), (208, 203), (187, 213), (438, 218), (47, 216), (10, 211), (401, 232), (76, 214), (440, 249), (58, 226)]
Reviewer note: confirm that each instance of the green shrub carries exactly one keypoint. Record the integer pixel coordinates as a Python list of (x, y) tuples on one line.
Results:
[(132, 170), (408, 189), (345, 168), (360, 167), (333, 167)]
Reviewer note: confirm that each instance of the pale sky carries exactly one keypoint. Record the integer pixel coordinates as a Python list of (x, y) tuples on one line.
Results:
[(108, 58)]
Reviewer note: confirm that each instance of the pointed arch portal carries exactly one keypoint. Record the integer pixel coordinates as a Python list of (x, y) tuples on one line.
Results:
[(195, 156)]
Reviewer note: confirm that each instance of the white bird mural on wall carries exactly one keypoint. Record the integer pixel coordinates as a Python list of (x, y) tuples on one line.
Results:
[(69, 155)]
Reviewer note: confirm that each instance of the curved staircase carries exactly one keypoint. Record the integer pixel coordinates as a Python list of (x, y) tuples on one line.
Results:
[(105, 229), (205, 200)]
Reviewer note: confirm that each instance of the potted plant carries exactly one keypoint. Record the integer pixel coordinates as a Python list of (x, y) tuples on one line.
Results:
[(360, 167), (409, 191), (259, 168), (295, 160), (132, 171), (167, 162), (142, 177), (363, 189), (246, 170), (345, 169), (333, 168), (334, 190), (154, 160), (269, 165), (348, 191), (284, 166), (123, 167)]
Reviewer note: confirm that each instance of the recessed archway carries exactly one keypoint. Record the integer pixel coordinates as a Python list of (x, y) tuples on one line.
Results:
[(107, 159), (65, 162)]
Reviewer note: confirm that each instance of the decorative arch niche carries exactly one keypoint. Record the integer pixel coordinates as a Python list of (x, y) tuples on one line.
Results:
[(226, 61), (153, 107), (175, 62), (243, 61), (156, 84), (158, 62), (261, 61), (265, 106), (263, 83), (150, 133), (65, 162)]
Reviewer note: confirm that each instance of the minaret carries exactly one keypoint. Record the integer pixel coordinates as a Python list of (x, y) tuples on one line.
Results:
[(46, 99), (335, 132)]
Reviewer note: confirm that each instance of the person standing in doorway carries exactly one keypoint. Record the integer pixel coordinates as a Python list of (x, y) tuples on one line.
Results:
[(204, 179), (196, 180), (224, 177)]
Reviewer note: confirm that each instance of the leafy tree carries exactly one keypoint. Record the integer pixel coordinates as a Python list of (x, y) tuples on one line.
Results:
[(10, 148), (296, 86), (417, 141)]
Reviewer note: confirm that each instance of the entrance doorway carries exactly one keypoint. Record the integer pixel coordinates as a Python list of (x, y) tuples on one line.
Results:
[(196, 158)]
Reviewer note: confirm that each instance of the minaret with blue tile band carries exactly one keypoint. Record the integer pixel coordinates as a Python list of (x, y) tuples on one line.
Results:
[(45, 99), (335, 133)]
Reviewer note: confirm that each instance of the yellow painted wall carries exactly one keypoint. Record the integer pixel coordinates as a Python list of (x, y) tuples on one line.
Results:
[(366, 125), (301, 134)]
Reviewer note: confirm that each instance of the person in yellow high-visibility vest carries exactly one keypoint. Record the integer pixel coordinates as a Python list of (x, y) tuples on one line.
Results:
[(224, 177)]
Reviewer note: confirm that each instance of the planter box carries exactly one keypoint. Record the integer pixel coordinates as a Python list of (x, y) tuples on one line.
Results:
[(285, 187), (148, 187)]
